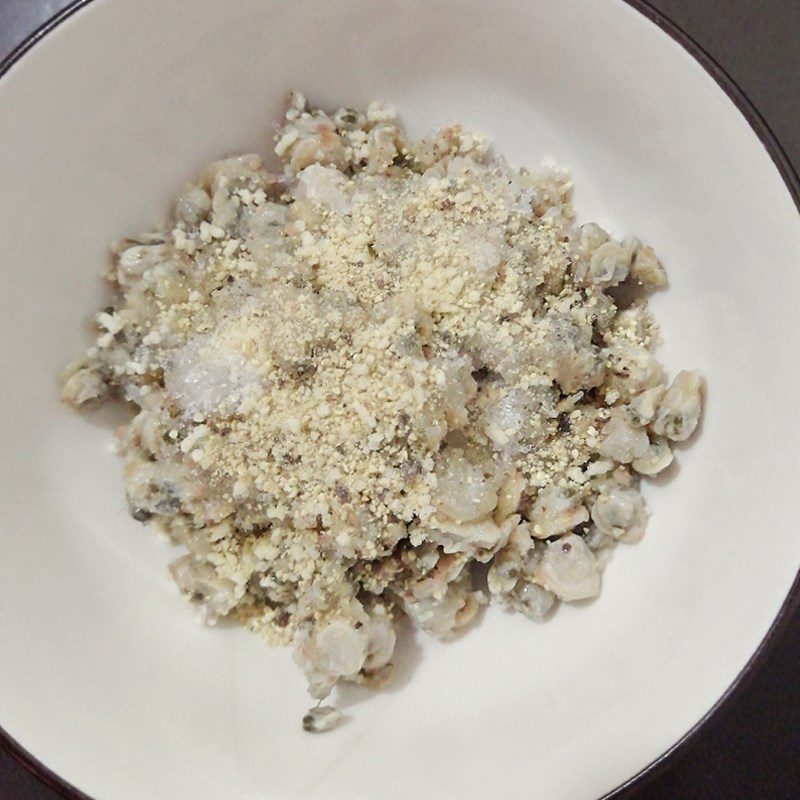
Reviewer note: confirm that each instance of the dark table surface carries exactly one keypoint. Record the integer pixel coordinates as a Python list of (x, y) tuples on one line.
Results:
[(750, 749)]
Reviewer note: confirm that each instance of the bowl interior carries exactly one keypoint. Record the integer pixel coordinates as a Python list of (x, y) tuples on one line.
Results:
[(105, 676)]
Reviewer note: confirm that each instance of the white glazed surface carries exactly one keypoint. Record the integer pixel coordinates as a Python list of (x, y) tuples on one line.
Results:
[(105, 676)]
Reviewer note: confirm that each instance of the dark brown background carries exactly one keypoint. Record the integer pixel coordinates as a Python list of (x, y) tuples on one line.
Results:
[(751, 748)]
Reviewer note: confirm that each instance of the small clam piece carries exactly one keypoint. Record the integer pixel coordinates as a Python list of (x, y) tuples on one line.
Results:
[(212, 595), (609, 264), (532, 600), (621, 440), (567, 354), (224, 208), (481, 538), (434, 583), (320, 683), (228, 171), (192, 205), (81, 385), (509, 496), (569, 569), (325, 187), (647, 270), (463, 492), (381, 639), (459, 387), (509, 417), (620, 513), (382, 148), (657, 458), (155, 487), (592, 236), (504, 571), (339, 648), (439, 616), (555, 512), (472, 604), (348, 119), (643, 407), (134, 261), (324, 148), (634, 369), (679, 411), (597, 540), (321, 718), (378, 678)]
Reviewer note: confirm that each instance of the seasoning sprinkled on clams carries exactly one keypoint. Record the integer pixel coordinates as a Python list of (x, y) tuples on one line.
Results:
[(392, 379)]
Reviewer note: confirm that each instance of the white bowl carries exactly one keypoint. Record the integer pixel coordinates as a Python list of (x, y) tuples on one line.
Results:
[(105, 677)]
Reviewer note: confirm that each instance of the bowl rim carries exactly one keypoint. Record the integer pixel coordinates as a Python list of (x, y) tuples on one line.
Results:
[(790, 606)]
